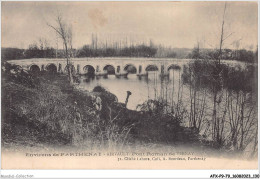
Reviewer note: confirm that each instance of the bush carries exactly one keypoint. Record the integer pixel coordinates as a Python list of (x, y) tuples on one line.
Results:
[(208, 74)]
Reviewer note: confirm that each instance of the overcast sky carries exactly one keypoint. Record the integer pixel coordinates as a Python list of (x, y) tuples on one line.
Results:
[(175, 24)]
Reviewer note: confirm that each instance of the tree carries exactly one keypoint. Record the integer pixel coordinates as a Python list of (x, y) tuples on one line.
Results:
[(195, 54), (65, 33), (222, 35)]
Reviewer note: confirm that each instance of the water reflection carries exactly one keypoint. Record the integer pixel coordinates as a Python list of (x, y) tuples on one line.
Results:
[(142, 88)]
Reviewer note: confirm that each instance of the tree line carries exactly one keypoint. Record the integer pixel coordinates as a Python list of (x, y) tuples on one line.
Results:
[(40, 51), (133, 51), (226, 54)]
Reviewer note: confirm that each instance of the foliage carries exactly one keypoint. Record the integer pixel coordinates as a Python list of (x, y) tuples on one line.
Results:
[(206, 73), (227, 54), (134, 51), (39, 52), (12, 54), (32, 52), (162, 126), (16, 74)]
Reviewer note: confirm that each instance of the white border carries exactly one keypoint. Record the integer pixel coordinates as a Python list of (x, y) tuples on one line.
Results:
[(129, 173), (125, 173)]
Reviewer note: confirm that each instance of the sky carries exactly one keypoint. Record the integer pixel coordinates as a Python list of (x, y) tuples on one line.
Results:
[(175, 24)]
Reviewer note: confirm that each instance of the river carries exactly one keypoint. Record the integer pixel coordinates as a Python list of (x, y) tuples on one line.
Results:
[(144, 88), (141, 89)]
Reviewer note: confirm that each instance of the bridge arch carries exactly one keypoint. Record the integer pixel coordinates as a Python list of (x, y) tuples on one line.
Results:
[(89, 70), (173, 67), (34, 69), (151, 67), (130, 68), (110, 69), (51, 68)]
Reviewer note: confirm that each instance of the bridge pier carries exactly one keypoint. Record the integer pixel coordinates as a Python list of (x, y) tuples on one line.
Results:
[(118, 68), (97, 68), (79, 70), (100, 72), (139, 69), (141, 72), (60, 68), (163, 72), (42, 67), (120, 71)]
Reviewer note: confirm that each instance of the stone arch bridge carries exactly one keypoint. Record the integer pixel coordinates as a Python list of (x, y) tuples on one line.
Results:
[(99, 65)]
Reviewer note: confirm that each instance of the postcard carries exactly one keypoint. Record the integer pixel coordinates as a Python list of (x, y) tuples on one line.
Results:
[(129, 85)]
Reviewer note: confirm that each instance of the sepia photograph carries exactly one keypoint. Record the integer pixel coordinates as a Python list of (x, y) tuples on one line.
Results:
[(129, 85)]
